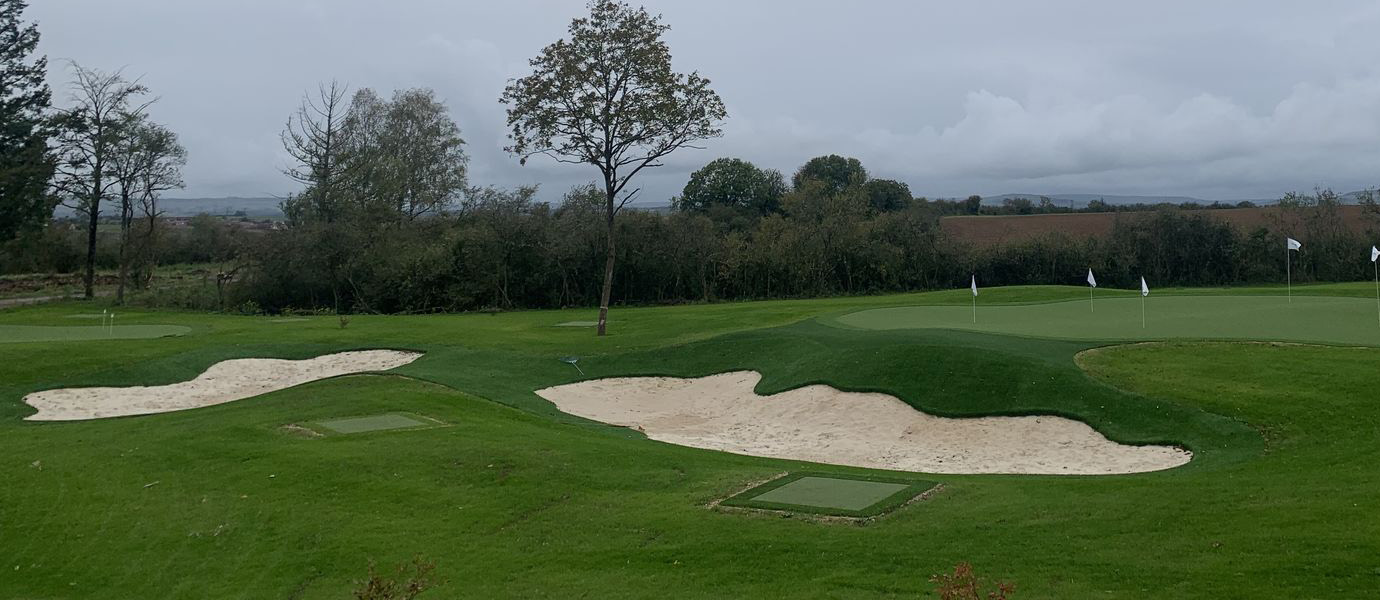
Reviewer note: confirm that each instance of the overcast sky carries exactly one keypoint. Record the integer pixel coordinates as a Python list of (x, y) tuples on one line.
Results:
[(1212, 99)]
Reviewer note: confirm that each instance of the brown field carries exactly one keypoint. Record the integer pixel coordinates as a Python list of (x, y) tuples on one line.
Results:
[(1007, 229)]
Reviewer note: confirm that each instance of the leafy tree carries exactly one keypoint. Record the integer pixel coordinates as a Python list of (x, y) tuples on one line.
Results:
[(836, 172), (972, 205), (26, 164), (90, 136), (887, 195), (734, 183), (403, 158), (607, 97)]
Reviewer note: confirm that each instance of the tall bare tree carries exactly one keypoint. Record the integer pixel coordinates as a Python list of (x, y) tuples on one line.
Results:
[(103, 104), (316, 143), (607, 97), (147, 161)]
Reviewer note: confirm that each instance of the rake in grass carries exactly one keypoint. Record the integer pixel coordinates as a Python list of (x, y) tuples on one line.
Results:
[(571, 360)]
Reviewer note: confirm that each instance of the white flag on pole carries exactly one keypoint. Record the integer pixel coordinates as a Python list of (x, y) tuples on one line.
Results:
[(1144, 289), (1374, 254), (1092, 281), (1293, 244), (975, 285)]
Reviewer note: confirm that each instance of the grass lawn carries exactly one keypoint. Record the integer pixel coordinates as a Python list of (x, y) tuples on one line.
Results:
[(514, 499)]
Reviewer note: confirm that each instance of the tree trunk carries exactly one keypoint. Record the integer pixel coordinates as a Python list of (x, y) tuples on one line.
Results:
[(90, 277), (608, 271), (126, 220)]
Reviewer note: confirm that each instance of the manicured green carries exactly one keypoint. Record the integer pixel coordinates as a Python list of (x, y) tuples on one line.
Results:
[(834, 495), (1267, 318), (372, 423), (44, 333), (515, 499)]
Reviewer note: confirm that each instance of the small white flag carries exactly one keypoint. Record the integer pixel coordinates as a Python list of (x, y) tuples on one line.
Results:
[(1092, 281), (1144, 289), (975, 285), (1374, 254), (1293, 244)]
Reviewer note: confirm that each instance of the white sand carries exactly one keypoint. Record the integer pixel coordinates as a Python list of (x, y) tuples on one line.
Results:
[(225, 381), (821, 424)]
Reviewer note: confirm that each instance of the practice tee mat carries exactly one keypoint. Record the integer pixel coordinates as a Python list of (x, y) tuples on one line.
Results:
[(372, 423), (842, 495)]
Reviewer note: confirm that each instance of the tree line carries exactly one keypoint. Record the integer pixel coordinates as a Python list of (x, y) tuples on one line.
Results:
[(102, 155), (387, 220)]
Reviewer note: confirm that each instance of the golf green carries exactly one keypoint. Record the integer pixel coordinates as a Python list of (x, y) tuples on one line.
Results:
[(43, 333), (1318, 319), (372, 423)]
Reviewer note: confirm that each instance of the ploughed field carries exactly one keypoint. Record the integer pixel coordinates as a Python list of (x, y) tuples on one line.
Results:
[(995, 230), (455, 457)]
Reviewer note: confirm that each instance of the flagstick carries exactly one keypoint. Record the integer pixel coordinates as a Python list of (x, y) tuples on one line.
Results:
[(1288, 274), (1090, 295), (975, 308), (1377, 288)]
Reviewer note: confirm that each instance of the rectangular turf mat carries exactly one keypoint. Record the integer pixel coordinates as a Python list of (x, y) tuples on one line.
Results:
[(829, 494), (373, 423)]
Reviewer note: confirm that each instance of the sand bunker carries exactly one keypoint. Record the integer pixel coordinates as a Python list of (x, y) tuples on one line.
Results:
[(821, 424), (225, 381)]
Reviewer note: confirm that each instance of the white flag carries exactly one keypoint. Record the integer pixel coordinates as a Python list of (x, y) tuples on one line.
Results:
[(1092, 281), (975, 285), (1374, 254), (1144, 289), (1293, 244)]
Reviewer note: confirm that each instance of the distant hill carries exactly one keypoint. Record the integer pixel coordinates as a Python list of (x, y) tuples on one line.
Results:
[(263, 208), (1082, 200), (231, 205)]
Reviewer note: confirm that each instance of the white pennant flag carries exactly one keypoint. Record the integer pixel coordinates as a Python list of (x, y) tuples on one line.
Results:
[(1293, 244), (1144, 289), (1374, 254), (1092, 281), (975, 285)]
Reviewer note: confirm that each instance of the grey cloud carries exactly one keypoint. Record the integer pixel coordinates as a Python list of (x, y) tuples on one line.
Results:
[(1220, 100)]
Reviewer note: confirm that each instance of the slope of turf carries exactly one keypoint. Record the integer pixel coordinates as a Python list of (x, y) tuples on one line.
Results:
[(219, 502), (1274, 318)]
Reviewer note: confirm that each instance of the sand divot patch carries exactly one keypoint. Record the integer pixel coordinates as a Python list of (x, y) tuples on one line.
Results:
[(821, 424), (225, 381)]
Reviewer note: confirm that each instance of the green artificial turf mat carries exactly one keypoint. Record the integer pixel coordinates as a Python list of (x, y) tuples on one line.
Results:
[(828, 494), (372, 423), (44, 333), (831, 493), (1265, 318)]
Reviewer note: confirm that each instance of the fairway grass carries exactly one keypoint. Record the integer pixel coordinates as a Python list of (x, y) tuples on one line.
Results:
[(515, 499), (1314, 319)]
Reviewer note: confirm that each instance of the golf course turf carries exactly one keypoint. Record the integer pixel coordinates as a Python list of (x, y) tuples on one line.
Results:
[(515, 499)]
